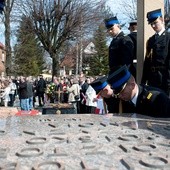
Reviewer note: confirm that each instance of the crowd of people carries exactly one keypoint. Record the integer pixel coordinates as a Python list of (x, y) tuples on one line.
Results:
[(75, 90)]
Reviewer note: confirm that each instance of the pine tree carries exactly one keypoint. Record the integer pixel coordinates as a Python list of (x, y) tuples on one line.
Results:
[(99, 62), (28, 55)]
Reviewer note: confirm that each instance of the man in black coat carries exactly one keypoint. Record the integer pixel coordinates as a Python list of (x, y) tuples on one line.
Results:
[(23, 93), (82, 108), (41, 86), (156, 69), (145, 100)]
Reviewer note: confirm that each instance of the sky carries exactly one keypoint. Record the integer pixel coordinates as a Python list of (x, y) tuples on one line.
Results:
[(1, 32), (115, 6)]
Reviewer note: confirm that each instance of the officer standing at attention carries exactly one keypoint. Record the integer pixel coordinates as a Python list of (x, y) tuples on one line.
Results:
[(145, 100), (120, 52), (156, 68), (121, 46), (133, 35)]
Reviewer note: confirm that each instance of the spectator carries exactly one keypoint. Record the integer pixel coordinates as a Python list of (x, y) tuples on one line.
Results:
[(23, 95), (5, 94), (41, 86), (12, 92), (30, 93), (83, 87), (91, 102), (74, 90)]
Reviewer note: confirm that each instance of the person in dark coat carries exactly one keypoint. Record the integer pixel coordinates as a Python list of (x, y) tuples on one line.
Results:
[(83, 88), (133, 35), (120, 49), (30, 92), (23, 94), (121, 46), (156, 68), (41, 86), (142, 99)]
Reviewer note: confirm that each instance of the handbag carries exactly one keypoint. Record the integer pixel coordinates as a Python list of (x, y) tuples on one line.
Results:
[(77, 97)]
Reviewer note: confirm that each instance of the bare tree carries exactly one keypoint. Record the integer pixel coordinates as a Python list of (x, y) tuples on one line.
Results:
[(7, 22), (129, 8), (167, 14), (57, 21)]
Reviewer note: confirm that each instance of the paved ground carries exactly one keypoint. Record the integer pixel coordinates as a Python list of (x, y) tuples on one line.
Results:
[(9, 111), (17, 104)]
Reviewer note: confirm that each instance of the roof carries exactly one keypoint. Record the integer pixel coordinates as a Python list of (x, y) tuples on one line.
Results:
[(90, 49), (2, 46)]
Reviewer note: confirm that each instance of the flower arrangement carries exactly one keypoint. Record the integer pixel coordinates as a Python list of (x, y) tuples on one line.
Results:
[(50, 92), (50, 88)]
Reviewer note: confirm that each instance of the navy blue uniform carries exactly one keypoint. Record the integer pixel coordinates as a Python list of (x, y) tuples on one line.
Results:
[(133, 36), (150, 102), (156, 69), (120, 52)]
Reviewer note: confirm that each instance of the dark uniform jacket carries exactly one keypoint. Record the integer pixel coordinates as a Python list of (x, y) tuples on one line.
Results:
[(156, 69), (151, 102), (120, 52), (133, 36), (112, 104)]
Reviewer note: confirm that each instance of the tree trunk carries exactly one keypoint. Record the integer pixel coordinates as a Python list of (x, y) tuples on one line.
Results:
[(7, 41), (55, 66)]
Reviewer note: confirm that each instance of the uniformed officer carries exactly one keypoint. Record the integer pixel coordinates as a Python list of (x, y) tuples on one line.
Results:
[(102, 88), (156, 69), (145, 100), (121, 46), (133, 35)]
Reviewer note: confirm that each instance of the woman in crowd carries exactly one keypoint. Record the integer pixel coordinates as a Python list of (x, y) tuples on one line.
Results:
[(74, 91), (5, 94)]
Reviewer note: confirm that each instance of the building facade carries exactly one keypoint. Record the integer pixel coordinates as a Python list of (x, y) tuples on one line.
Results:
[(2, 59)]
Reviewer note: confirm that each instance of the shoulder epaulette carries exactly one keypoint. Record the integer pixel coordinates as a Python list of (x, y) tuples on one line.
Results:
[(151, 95)]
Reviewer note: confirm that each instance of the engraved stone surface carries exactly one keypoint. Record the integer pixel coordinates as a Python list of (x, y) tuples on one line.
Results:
[(84, 141)]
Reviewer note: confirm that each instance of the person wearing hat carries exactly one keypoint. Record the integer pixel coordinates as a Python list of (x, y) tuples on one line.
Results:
[(141, 99), (102, 88), (156, 68), (121, 46), (133, 35)]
